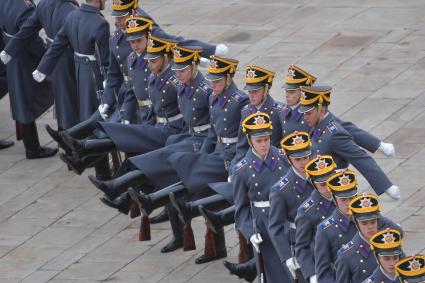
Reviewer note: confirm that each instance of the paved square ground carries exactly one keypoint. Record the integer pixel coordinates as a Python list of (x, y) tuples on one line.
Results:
[(52, 225)]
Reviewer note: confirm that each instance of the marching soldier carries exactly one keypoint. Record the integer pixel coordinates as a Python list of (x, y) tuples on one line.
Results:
[(386, 244), (286, 196), (193, 102), (411, 269), (355, 261), (254, 175), (3, 91), (260, 101), (292, 119), (310, 213), (50, 16), (86, 31), (28, 100), (329, 137), (339, 228)]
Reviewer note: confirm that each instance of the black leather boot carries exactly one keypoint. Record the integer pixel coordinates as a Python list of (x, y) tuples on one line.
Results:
[(160, 217), (122, 203), (5, 144), (79, 165), (219, 219), (177, 227), (33, 150), (219, 246), (246, 270), (157, 199), (113, 188), (82, 130), (57, 138), (91, 147)]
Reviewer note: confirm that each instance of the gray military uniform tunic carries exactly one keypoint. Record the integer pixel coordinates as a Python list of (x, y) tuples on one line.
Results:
[(329, 137)]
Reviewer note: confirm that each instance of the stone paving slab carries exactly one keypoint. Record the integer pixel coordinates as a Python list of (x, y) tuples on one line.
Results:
[(54, 228)]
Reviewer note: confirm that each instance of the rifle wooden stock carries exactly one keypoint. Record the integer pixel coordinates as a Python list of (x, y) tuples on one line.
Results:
[(134, 209), (145, 229), (116, 161), (243, 248), (210, 250), (188, 238)]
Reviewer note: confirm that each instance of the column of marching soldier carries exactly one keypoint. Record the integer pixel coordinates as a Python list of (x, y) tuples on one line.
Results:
[(199, 146)]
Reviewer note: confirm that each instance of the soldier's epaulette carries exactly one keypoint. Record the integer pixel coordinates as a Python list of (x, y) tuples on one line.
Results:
[(371, 279), (327, 223), (281, 152), (308, 204), (346, 247), (205, 87), (239, 165), (278, 106), (281, 184), (238, 96), (174, 80), (331, 127)]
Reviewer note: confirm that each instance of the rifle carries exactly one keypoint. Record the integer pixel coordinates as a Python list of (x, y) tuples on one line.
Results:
[(261, 269), (295, 280)]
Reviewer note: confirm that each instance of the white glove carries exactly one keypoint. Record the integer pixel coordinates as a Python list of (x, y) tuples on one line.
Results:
[(292, 265), (313, 279), (104, 84), (387, 149), (38, 76), (229, 179), (221, 50), (393, 192), (204, 62), (126, 122), (256, 240), (5, 58), (103, 109)]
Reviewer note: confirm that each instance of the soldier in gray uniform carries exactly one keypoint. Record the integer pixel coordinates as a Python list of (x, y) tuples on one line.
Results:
[(3, 91), (411, 269), (310, 213), (87, 32), (286, 196), (329, 137), (386, 245), (254, 175), (50, 16), (339, 228), (28, 100), (355, 261), (292, 120)]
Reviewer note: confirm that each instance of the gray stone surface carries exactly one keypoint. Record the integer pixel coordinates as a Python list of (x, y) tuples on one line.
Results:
[(54, 228)]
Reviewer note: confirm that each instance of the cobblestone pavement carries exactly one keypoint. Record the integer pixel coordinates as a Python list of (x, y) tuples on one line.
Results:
[(52, 225)]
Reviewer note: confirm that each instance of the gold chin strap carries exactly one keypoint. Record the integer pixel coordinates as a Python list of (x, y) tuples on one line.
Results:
[(266, 90)]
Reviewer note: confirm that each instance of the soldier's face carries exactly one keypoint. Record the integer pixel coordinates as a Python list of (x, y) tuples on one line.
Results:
[(256, 96), (156, 65), (368, 227), (311, 117), (292, 96), (322, 188), (218, 86), (343, 204), (120, 22), (261, 145), (387, 263), (139, 45), (299, 163), (185, 75)]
